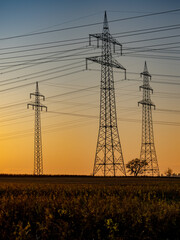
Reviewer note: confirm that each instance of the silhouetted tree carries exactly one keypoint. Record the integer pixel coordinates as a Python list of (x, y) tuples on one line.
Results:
[(169, 172), (135, 166)]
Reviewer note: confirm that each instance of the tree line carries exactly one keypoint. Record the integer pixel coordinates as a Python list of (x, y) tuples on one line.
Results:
[(136, 167)]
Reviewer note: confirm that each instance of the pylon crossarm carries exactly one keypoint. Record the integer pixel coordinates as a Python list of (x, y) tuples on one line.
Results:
[(93, 59), (37, 95), (147, 102), (98, 36), (41, 106), (114, 63), (145, 73), (29, 104), (99, 59), (107, 37), (37, 105), (146, 87)]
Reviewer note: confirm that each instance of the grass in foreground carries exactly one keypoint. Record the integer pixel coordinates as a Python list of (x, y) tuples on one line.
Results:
[(136, 209)]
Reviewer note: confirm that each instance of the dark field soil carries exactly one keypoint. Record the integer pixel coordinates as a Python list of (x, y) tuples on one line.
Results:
[(84, 207), (69, 179)]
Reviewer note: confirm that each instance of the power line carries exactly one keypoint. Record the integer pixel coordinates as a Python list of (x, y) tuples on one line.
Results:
[(69, 50), (31, 64), (28, 63), (158, 75), (91, 24), (41, 75), (58, 58), (43, 71), (27, 84), (153, 56), (146, 31), (42, 48), (51, 78), (138, 80), (153, 45), (159, 82), (151, 39), (135, 32), (50, 127)]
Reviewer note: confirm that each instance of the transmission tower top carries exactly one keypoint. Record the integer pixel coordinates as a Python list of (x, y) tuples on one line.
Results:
[(145, 72), (107, 40), (37, 102), (146, 88), (105, 26)]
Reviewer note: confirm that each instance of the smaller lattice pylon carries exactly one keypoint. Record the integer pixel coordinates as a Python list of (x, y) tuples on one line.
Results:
[(148, 152), (38, 107)]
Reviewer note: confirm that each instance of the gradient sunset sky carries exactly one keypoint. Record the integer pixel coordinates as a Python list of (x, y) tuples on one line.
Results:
[(45, 41)]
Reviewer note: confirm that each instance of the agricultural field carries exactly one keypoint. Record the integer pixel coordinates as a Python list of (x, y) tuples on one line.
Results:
[(52, 207)]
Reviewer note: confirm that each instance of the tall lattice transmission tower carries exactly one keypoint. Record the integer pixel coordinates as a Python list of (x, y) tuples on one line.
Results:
[(38, 107), (148, 151), (108, 158)]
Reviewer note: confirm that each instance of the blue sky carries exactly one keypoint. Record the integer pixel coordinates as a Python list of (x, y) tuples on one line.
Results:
[(18, 16)]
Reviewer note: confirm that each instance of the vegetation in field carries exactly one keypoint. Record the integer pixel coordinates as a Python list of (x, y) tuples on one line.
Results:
[(140, 210), (136, 166)]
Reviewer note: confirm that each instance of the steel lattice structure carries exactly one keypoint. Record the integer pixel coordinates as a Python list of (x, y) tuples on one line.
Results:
[(38, 158), (148, 151), (108, 158)]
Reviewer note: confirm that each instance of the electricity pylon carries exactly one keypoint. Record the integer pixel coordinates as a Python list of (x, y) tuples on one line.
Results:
[(108, 158), (148, 151), (38, 159)]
